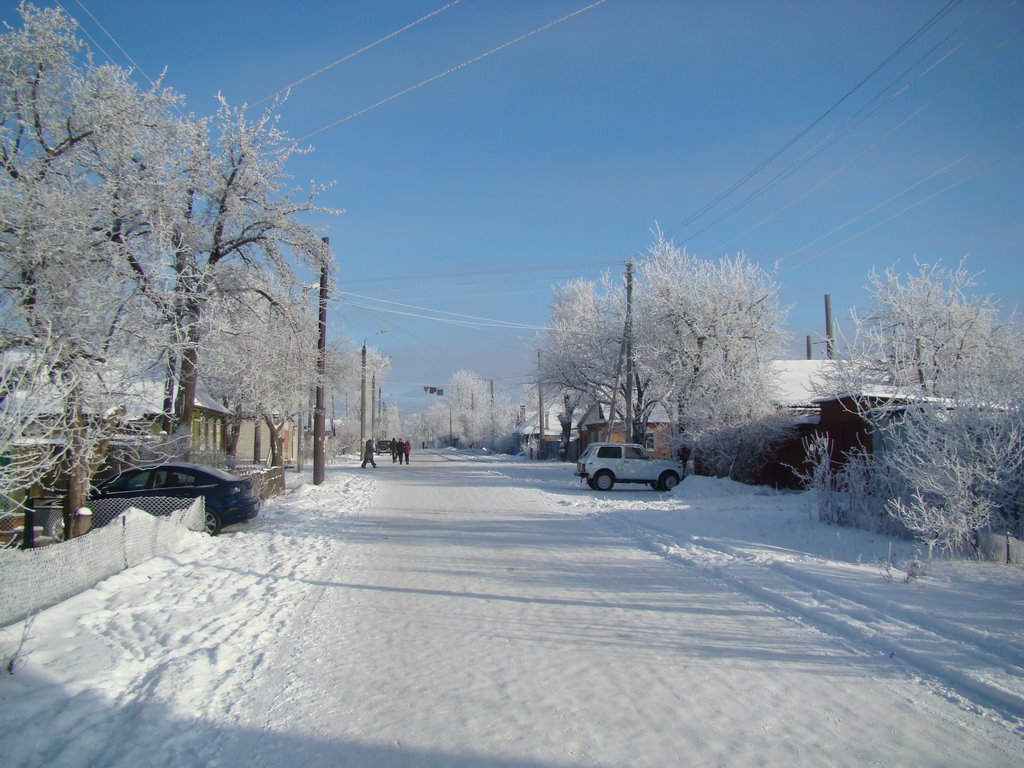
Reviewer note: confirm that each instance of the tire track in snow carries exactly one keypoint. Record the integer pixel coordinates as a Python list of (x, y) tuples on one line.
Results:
[(943, 660)]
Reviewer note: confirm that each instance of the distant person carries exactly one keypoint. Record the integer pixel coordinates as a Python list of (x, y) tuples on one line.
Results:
[(400, 451), (368, 454), (407, 449), (394, 449)]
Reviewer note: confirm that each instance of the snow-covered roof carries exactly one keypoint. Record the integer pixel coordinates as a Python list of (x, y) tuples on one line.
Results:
[(796, 382), (145, 397), (141, 396), (552, 427), (597, 414)]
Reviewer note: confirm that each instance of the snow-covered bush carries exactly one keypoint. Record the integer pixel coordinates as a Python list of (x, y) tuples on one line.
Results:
[(955, 470), (847, 488), (741, 449)]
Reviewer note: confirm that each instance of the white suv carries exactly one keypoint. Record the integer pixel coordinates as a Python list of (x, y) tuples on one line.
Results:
[(603, 465)]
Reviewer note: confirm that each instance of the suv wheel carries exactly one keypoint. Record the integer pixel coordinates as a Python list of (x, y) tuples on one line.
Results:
[(668, 481), (604, 480)]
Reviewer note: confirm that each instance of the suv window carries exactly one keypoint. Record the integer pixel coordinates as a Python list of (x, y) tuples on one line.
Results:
[(609, 452), (635, 452)]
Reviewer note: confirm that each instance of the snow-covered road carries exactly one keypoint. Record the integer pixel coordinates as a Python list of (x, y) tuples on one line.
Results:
[(460, 612)]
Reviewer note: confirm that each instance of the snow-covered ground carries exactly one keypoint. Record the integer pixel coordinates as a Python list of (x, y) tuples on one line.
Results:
[(471, 610)]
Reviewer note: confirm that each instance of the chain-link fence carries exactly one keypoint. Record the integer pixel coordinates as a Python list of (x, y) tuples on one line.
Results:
[(123, 536)]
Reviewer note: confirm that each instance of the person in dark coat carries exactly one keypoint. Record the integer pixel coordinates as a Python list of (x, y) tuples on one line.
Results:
[(394, 449), (368, 454)]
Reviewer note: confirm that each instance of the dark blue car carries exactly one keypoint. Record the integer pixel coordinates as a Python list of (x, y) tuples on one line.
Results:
[(229, 499)]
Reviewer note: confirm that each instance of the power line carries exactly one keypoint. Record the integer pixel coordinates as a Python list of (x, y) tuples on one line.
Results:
[(452, 70), (946, 9), (352, 55), (112, 39), (984, 169), (517, 270), (832, 138), (960, 76), (439, 315)]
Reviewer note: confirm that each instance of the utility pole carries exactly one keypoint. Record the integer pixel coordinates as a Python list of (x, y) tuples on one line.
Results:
[(362, 403), (622, 355), (540, 412), (319, 430), (830, 334), (373, 406), (628, 426)]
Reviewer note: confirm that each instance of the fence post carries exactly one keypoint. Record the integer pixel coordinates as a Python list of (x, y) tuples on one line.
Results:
[(28, 536), (124, 540)]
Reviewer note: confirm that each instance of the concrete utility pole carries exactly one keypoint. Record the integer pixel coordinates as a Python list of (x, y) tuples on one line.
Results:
[(622, 354), (628, 426), (830, 333), (373, 406), (540, 412), (319, 426)]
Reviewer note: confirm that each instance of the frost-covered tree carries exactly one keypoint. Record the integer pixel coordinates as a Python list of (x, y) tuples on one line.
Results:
[(706, 332), (927, 334), (581, 351), (946, 374), (121, 219), (262, 353), (232, 207), (466, 396), (74, 149)]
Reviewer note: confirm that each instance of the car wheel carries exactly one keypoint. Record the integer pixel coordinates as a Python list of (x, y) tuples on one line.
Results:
[(603, 481), (212, 525), (655, 484), (668, 481), (590, 482)]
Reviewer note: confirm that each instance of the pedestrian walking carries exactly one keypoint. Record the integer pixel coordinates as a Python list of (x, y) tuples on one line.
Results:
[(400, 451), (368, 454), (407, 450), (394, 449)]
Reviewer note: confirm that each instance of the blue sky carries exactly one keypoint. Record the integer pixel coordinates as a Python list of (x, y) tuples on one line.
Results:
[(820, 137)]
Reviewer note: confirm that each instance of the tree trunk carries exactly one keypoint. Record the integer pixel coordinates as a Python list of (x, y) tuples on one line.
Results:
[(276, 442), (167, 420), (234, 432), (257, 442), (187, 378), (76, 461)]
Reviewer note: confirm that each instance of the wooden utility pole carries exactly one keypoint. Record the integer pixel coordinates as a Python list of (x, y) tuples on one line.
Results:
[(362, 404), (319, 427)]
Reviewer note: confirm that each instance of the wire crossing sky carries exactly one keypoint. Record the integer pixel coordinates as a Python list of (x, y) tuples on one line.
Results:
[(504, 147)]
